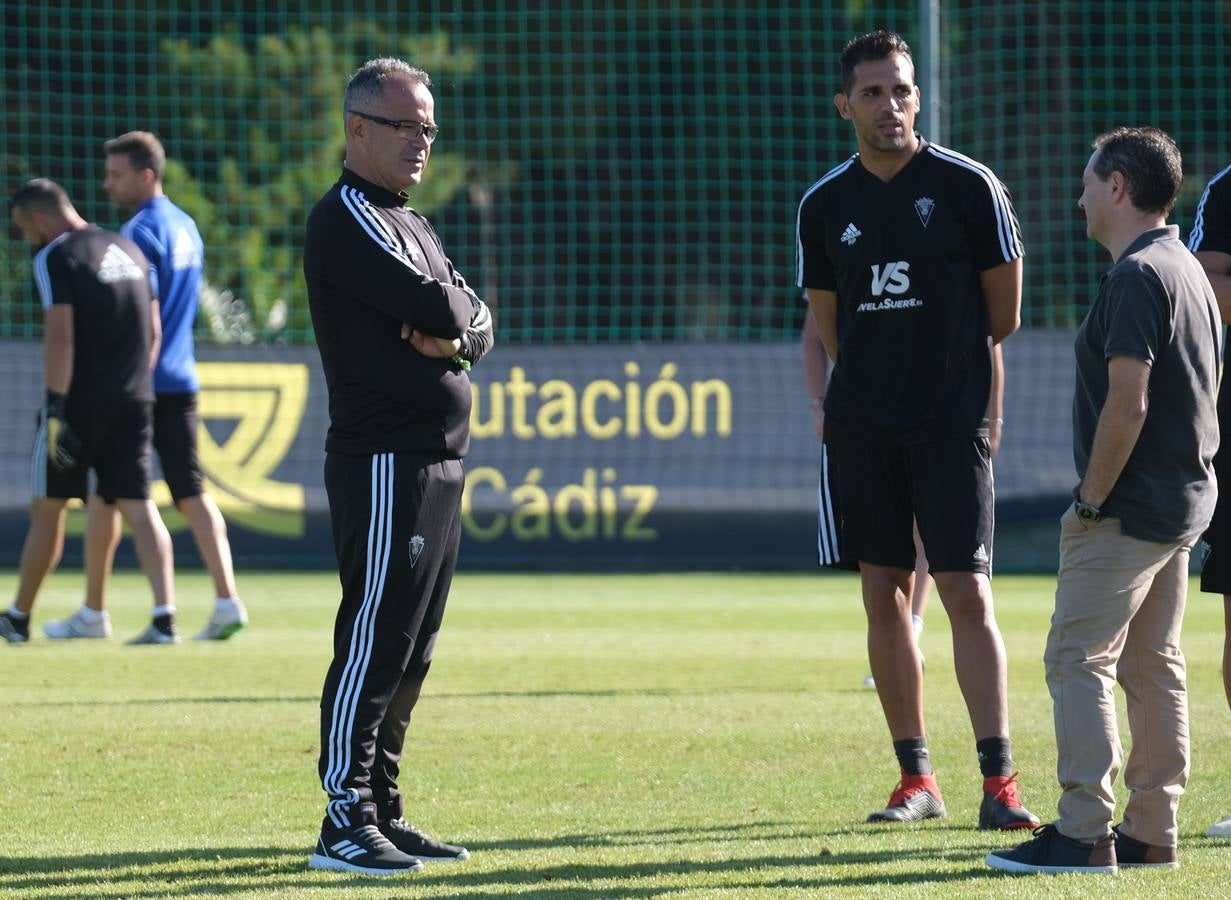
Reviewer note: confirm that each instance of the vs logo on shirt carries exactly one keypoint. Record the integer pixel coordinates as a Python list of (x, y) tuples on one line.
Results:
[(891, 277)]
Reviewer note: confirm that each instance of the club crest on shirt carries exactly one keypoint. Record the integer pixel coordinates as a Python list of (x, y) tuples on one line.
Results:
[(416, 547), (924, 207)]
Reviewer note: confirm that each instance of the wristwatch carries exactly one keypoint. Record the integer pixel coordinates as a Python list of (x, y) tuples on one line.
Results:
[(1086, 511)]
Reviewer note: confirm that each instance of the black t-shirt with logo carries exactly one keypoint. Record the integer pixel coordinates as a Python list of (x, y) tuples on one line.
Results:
[(105, 278), (904, 257)]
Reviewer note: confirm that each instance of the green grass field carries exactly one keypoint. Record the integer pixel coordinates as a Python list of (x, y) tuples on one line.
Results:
[(611, 736)]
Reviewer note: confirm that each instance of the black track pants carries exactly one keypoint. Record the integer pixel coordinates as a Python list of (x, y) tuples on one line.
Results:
[(396, 527)]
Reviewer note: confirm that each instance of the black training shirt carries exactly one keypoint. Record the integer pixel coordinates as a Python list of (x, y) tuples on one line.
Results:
[(371, 264), (904, 257), (105, 278)]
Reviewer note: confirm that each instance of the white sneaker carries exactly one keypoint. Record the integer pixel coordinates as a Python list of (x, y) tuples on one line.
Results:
[(1221, 828), (223, 623), (75, 626)]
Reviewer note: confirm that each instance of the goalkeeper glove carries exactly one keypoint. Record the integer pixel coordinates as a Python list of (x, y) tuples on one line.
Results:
[(63, 445)]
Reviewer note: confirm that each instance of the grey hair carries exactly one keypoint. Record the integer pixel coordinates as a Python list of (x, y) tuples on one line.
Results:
[(367, 86)]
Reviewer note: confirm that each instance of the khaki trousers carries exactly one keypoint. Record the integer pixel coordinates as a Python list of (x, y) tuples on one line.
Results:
[(1119, 607)]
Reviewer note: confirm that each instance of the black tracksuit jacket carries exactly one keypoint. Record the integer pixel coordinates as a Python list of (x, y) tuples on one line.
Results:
[(371, 263)]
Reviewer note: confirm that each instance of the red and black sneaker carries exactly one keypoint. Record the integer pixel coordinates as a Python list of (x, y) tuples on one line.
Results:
[(1002, 809), (915, 798)]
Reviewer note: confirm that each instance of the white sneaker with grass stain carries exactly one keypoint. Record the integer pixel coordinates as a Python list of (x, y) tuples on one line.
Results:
[(77, 627), (225, 622)]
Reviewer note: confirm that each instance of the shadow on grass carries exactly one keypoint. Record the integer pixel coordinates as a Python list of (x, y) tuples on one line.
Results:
[(743, 831), (476, 695), (164, 701), (230, 870)]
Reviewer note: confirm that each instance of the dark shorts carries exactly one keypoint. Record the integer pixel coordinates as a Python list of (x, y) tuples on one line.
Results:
[(1216, 567), (830, 546), (175, 438), (115, 443), (1216, 563), (946, 486)]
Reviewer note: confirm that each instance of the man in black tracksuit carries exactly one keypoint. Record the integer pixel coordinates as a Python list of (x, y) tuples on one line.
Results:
[(397, 329)]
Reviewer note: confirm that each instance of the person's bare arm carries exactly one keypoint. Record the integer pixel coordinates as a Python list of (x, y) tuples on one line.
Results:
[(824, 307), (58, 347), (995, 402), (1002, 291), (816, 370), (155, 334), (1218, 269), (1119, 426)]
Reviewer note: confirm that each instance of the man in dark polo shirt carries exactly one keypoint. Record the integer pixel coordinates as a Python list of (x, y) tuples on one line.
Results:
[(1144, 437)]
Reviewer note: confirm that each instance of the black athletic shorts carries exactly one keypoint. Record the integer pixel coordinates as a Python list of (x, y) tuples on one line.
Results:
[(1216, 563), (944, 485), (830, 547), (1216, 567), (115, 443), (175, 438)]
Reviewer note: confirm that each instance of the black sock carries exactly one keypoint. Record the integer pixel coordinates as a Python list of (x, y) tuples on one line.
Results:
[(20, 623), (913, 756), (995, 756), (165, 623)]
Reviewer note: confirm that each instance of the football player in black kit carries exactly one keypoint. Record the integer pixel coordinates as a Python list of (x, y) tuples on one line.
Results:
[(397, 330), (100, 340), (910, 255), (1210, 242)]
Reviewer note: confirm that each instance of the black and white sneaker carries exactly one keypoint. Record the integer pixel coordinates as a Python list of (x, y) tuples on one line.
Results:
[(160, 631), (14, 630), (413, 842), (361, 849)]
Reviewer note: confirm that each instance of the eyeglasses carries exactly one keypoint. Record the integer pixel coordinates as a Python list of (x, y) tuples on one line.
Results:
[(407, 128)]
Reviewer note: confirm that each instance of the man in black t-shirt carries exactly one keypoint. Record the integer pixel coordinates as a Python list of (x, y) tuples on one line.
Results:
[(911, 258), (1210, 242), (399, 425), (100, 341), (1144, 436)]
